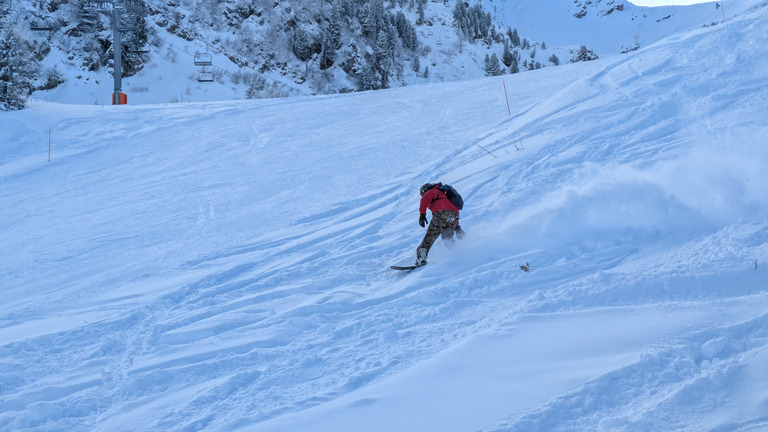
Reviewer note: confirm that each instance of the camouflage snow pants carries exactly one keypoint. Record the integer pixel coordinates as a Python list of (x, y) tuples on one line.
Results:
[(443, 224)]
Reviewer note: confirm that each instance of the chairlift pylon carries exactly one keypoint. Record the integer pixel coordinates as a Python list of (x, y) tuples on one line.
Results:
[(203, 59)]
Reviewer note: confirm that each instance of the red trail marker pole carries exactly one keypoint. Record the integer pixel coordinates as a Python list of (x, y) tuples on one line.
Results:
[(49, 142)]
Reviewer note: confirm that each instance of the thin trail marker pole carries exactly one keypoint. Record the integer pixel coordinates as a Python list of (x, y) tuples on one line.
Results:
[(507, 98), (722, 8), (49, 142)]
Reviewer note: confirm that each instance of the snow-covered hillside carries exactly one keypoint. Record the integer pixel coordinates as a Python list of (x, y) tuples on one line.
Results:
[(250, 48), (607, 26), (224, 266)]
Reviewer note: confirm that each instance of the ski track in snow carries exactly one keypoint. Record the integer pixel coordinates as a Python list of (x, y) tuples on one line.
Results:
[(263, 293), (706, 367)]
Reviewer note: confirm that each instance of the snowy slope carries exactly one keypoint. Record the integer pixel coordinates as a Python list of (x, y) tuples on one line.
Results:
[(607, 26), (224, 266)]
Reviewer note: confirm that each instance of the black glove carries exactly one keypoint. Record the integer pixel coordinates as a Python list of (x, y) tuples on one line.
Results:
[(460, 233), (423, 220)]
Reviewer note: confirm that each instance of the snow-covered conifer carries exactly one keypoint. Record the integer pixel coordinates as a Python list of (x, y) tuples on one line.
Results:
[(17, 71), (492, 67)]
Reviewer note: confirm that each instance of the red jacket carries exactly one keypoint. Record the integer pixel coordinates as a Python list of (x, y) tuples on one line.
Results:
[(436, 200)]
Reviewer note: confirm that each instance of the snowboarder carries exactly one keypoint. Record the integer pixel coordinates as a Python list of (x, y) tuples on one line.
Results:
[(445, 219)]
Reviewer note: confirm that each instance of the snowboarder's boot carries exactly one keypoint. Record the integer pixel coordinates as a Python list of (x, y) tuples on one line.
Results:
[(421, 257)]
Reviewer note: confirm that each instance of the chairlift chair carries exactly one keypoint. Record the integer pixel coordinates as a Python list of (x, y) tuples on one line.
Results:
[(203, 59), (205, 77), (135, 7), (44, 24)]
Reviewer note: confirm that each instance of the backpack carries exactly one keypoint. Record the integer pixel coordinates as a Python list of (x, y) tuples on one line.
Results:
[(452, 195)]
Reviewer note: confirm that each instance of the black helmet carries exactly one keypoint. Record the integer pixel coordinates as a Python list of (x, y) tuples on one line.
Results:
[(425, 187)]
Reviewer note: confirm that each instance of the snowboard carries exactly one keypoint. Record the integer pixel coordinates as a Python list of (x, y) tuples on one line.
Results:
[(405, 268)]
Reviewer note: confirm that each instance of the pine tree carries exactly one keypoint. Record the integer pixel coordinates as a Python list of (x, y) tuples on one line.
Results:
[(514, 37), (492, 67), (584, 54), (382, 50), (334, 26), (416, 64), (300, 44), (372, 18), (473, 21), (367, 79), (507, 57), (392, 39), (515, 68), (460, 14), (328, 54), (17, 71), (348, 8), (405, 31)]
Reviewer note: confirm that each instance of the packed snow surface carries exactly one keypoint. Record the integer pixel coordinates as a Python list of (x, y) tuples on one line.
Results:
[(224, 266)]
